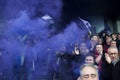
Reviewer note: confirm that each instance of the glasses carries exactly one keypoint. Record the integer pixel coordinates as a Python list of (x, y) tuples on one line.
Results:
[(88, 75), (113, 53), (113, 43)]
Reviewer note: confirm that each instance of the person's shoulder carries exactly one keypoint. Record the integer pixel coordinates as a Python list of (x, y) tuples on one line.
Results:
[(118, 63)]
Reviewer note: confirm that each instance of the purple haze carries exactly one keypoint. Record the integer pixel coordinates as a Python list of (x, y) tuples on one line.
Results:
[(22, 20)]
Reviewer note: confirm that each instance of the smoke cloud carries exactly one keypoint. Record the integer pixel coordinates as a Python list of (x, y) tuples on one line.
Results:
[(26, 20)]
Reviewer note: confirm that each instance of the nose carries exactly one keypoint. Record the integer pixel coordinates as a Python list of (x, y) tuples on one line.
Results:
[(90, 78), (113, 55)]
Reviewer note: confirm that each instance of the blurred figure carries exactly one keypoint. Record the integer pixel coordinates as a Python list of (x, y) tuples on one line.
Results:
[(100, 41), (113, 43), (29, 59), (98, 53), (80, 52), (114, 36), (89, 59), (63, 65), (118, 41), (93, 42), (99, 58), (107, 44), (95, 38), (83, 49)]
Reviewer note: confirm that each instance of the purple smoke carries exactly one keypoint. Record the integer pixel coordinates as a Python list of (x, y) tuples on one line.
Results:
[(34, 8), (25, 20)]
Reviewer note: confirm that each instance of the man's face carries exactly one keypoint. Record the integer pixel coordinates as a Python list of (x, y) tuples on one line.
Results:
[(99, 48), (83, 48), (89, 73), (113, 44), (114, 36), (108, 40), (113, 53), (95, 38)]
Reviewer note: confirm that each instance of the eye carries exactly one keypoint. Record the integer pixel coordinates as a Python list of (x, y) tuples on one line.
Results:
[(89, 75), (90, 60), (113, 53), (93, 75), (86, 76)]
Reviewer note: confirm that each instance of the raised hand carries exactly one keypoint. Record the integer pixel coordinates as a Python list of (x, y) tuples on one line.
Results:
[(107, 57)]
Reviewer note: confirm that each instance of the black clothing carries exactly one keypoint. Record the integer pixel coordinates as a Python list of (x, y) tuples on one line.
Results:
[(116, 71), (64, 67), (111, 72)]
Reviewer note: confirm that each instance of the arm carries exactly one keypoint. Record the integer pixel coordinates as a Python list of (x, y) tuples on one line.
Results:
[(98, 58)]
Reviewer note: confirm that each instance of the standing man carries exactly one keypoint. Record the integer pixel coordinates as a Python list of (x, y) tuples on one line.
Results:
[(112, 58)]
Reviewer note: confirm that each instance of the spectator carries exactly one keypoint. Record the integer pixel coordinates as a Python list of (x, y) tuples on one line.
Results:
[(113, 64), (88, 72), (89, 59)]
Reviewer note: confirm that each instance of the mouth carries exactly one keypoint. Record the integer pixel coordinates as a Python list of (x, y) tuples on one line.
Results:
[(113, 58)]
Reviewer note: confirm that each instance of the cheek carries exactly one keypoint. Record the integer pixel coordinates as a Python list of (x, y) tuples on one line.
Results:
[(113, 57), (82, 78), (116, 56), (96, 78)]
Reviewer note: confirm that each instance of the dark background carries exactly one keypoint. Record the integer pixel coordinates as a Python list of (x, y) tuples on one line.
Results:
[(84, 8)]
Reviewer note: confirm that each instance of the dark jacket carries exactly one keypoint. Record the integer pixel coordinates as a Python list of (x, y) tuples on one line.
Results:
[(116, 71), (111, 72)]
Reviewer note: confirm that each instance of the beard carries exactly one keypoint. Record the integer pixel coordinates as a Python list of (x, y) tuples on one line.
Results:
[(115, 61)]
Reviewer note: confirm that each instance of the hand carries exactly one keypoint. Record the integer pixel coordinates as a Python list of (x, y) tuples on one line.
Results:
[(100, 52), (107, 57), (76, 50)]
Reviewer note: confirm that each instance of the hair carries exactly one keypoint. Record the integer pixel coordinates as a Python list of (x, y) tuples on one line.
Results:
[(88, 65), (90, 54), (112, 48), (112, 41), (114, 34), (99, 44)]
